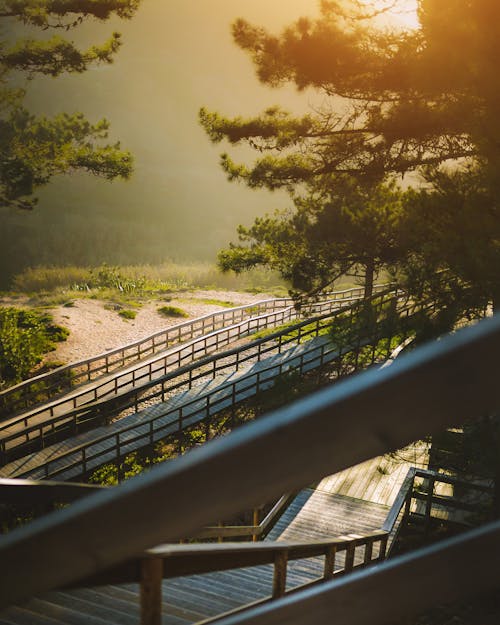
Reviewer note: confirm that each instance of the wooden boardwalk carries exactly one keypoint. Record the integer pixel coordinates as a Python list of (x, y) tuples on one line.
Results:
[(330, 509), (353, 502), (150, 367), (87, 451)]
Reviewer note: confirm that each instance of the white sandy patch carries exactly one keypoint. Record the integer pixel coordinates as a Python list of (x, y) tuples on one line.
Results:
[(94, 329)]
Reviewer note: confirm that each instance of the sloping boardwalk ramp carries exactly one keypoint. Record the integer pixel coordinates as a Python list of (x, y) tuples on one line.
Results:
[(80, 454), (112, 372), (23, 434)]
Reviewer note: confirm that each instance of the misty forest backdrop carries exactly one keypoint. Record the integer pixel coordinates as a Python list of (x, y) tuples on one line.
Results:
[(176, 57)]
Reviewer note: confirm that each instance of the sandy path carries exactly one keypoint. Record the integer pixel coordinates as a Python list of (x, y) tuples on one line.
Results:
[(95, 329)]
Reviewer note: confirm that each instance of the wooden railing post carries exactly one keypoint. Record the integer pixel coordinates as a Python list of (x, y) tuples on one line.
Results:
[(428, 502), (383, 547), (329, 568), (279, 578), (151, 578), (349, 557), (408, 501), (255, 523), (368, 552)]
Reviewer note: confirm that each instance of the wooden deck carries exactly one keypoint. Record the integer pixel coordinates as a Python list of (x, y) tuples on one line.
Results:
[(354, 501)]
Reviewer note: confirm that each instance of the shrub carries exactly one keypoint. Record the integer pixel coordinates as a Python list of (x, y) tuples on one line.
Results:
[(25, 336), (172, 311), (128, 314), (162, 278), (38, 279)]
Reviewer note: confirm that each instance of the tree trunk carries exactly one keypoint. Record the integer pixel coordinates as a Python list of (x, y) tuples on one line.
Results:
[(369, 277)]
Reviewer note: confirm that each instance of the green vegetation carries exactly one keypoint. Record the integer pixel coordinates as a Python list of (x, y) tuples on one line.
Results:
[(127, 314), (217, 302), (172, 311), (337, 228), (139, 280), (412, 101), (25, 336)]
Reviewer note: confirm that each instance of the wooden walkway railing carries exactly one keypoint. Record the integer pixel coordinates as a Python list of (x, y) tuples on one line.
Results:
[(143, 372), (342, 554), (438, 385), (48, 385), (171, 561), (64, 378), (170, 420)]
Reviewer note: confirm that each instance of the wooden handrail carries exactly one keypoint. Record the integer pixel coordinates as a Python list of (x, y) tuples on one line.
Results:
[(400, 501), (451, 479), (443, 383), (256, 531), (408, 492), (71, 372), (169, 561), (27, 492), (174, 358), (447, 571), (100, 410)]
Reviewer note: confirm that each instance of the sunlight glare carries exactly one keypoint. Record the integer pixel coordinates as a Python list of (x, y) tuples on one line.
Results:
[(402, 13)]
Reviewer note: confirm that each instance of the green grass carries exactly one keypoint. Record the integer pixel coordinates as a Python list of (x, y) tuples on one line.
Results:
[(215, 302), (142, 279), (262, 334), (172, 311)]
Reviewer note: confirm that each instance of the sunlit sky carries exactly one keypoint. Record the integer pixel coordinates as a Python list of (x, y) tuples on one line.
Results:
[(399, 12), (177, 56)]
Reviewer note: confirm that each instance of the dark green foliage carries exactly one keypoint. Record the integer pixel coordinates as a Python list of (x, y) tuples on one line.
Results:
[(454, 224), (113, 278), (339, 227), (409, 100), (112, 474), (25, 336), (34, 149)]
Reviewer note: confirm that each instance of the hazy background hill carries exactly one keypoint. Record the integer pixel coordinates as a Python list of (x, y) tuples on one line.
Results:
[(177, 56)]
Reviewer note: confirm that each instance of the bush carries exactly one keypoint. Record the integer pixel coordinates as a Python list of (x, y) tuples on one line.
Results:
[(172, 311), (128, 314), (25, 336)]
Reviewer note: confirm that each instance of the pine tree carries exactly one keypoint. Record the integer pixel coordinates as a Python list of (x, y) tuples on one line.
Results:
[(34, 149)]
